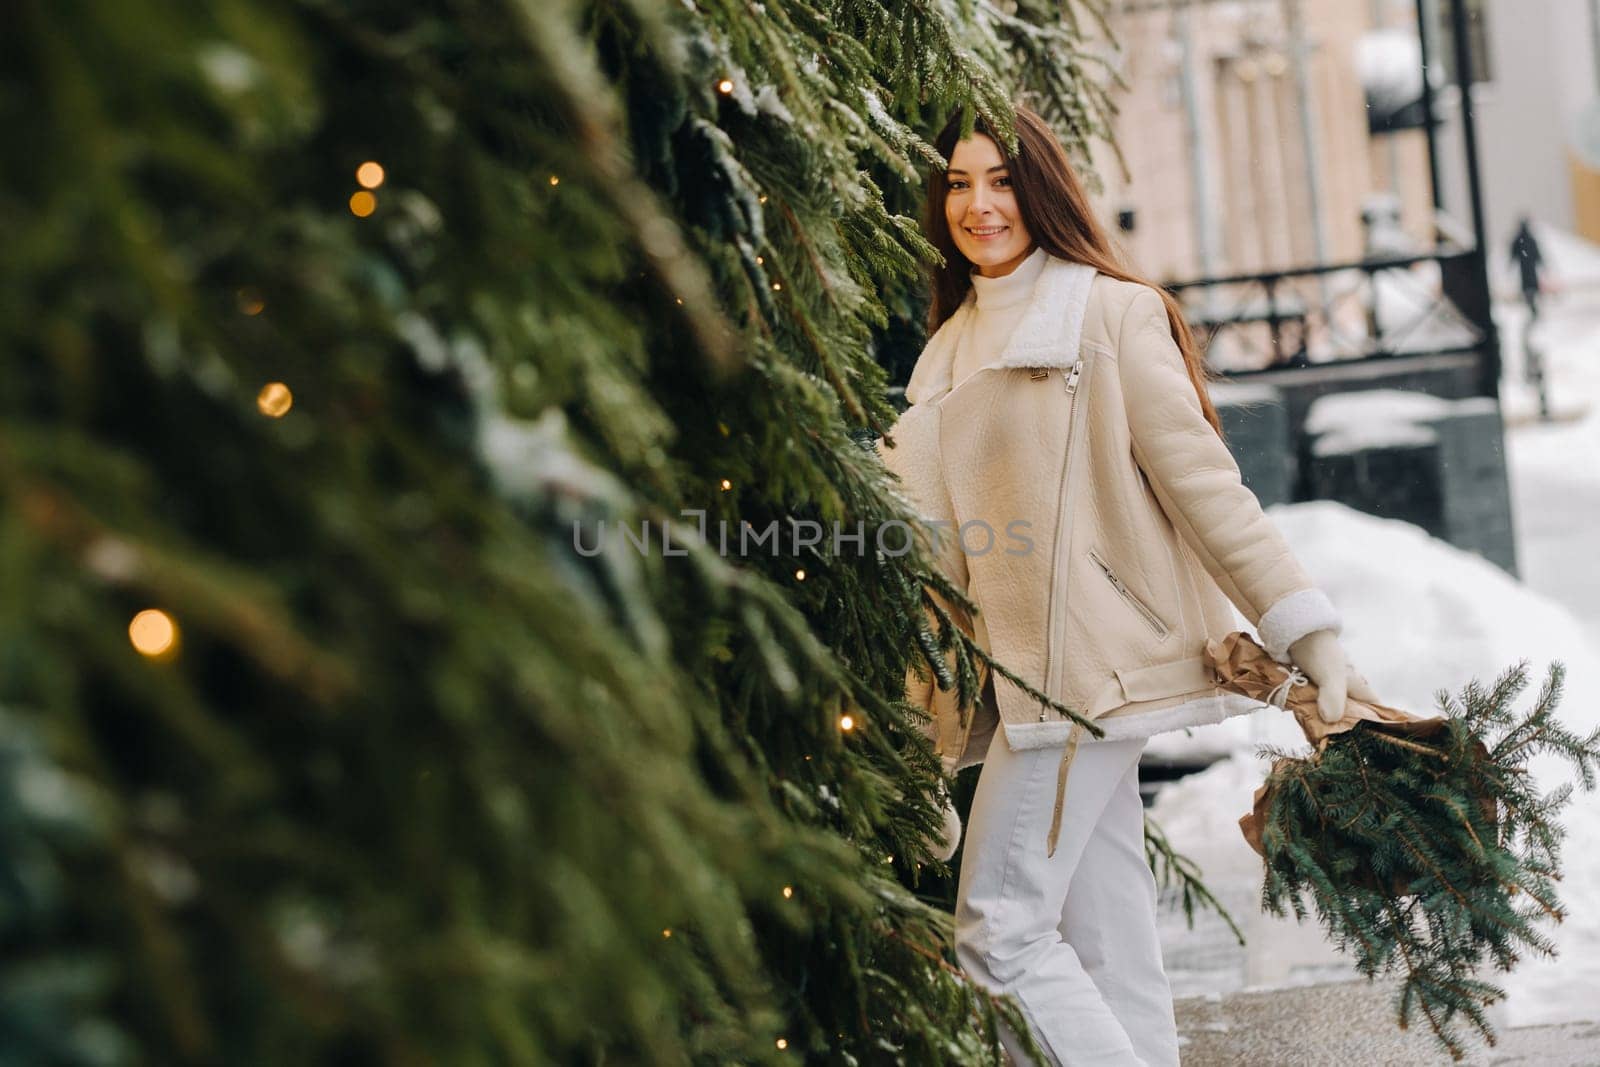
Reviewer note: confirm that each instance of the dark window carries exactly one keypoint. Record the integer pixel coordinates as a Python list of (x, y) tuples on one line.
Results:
[(1477, 39)]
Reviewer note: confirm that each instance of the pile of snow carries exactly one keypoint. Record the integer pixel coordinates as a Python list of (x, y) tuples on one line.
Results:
[(1372, 407), (1234, 393), (1367, 437), (1419, 616), (1345, 423), (1389, 65)]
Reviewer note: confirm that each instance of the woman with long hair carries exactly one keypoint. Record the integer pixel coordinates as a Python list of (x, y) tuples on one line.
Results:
[(1059, 426)]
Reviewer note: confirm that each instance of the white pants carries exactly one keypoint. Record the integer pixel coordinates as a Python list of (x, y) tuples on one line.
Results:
[(1072, 936)]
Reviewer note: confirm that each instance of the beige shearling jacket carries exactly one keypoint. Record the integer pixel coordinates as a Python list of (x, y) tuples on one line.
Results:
[(1096, 519)]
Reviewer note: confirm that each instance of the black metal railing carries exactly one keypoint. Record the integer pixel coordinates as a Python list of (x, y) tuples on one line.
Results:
[(1387, 307)]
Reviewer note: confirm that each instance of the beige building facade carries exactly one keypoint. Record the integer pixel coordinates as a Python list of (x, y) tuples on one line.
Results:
[(1239, 159)]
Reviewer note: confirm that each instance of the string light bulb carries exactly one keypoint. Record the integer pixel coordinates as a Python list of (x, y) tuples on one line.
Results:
[(725, 86), (776, 286), (362, 203), (847, 722), (554, 180), (783, 1042), (726, 485), (274, 400), (667, 932), (154, 633), (250, 302), (800, 574), (788, 891), (369, 175)]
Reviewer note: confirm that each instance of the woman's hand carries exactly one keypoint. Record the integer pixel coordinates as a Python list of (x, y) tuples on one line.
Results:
[(1321, 657), (945, 847)]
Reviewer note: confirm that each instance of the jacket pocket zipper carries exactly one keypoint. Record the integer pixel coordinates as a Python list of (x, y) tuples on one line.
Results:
[(1127, 594), (1059, 570)]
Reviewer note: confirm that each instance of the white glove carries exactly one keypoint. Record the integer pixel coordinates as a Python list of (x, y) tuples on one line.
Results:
[(1322, 658), (950, 836)]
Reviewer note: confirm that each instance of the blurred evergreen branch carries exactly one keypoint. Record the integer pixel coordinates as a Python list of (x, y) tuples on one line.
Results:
[(419, 781)]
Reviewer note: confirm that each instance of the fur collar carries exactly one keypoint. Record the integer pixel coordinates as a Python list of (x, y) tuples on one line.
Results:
[(1046, 335)]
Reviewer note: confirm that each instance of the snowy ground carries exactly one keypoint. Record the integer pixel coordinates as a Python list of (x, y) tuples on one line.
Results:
[(1421, 615)]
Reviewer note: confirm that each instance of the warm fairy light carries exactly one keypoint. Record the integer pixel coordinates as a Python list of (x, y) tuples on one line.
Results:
[(680, 299), (666, 933), (846, 723), (554, 180), (763, 198), (726, 485), (760, 260), (788, 891), (369, 175), (800, 575), (362, 204), (777, 285), (274, 400), (153, 632), (725, 86), (722, 428), (783, 1042), (250, 302)]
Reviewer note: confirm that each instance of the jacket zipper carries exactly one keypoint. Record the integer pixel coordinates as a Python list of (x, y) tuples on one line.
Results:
[(1059, 570), (1127, 594)]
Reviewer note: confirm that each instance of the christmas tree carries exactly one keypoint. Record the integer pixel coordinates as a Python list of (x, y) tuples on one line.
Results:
[(345, 346)]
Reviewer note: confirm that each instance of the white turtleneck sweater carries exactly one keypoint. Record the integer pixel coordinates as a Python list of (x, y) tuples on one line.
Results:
[(998, 304)]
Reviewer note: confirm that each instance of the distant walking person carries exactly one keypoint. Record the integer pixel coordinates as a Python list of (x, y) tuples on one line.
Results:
[(1525, 250)]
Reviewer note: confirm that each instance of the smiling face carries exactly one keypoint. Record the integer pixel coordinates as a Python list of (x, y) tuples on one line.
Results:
[(981, 208)]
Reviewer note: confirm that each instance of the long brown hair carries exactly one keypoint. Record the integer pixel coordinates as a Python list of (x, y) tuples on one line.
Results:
[(1056, 210)]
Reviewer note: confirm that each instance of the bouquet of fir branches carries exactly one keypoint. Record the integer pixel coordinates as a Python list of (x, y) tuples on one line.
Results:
[(1423, 844)]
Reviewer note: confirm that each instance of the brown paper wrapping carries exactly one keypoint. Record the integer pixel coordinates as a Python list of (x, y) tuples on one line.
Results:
[(1243, 666)]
